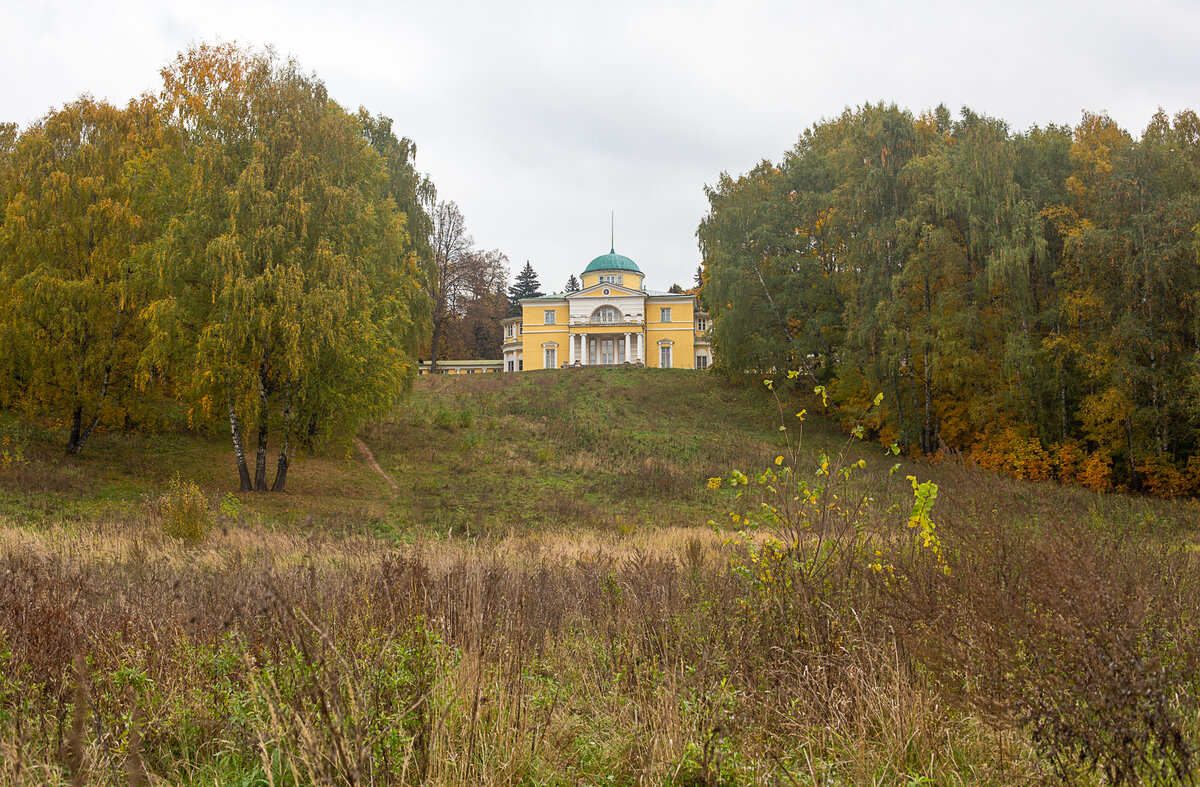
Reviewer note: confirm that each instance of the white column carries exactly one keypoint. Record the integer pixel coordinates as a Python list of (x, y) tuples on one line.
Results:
[(628, 348), (570, 347), (583, 348)]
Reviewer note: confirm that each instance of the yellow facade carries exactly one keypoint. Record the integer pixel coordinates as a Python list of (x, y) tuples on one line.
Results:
[(538, 339), (611, 321)]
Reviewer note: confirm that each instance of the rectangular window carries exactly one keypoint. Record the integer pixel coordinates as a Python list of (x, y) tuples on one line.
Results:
[(612, 278), (549, 316), (702, 324), (521, 365), (510, 365), (510, 331), (665, 316), (701, 361), (664, 356), (550, 355), (606, 352)]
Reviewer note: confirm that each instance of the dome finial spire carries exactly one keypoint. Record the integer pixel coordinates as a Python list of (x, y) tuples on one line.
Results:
[(612, 231)]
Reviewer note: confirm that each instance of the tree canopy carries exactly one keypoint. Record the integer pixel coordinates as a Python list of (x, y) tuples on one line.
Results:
[(72, 277), (1027, 298), (240, 243)]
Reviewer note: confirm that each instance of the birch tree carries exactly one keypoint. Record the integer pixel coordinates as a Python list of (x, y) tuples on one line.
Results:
[(292, 286), (74, 247)]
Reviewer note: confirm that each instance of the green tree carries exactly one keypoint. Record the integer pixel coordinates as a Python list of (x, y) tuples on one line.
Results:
[(746, 255), (8, 366), (292, 295), (1005, 291), (572, 284)]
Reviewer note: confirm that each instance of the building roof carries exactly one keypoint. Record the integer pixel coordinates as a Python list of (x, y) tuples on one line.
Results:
[(612, 262)]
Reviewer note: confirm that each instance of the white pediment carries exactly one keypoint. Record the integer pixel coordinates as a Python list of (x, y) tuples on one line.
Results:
[(597, 291), (630, 303)]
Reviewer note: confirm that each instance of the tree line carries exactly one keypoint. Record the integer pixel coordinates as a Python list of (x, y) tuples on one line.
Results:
[(1032, 299), (238, 252)]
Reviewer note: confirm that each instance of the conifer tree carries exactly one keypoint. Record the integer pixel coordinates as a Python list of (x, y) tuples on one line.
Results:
[(572, 284), (525, 285)]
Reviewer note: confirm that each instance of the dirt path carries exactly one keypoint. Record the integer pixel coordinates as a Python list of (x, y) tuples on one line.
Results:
[(370, 457)]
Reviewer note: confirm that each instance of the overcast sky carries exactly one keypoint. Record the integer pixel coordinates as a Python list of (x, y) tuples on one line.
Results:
[(539, 118)]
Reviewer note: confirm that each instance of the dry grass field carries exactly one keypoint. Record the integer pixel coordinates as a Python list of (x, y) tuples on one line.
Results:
[(544, 599)]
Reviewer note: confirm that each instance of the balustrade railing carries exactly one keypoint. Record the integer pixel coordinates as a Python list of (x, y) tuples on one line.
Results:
[(634, 320)]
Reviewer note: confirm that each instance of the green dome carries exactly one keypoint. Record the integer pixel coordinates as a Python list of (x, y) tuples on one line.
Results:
[(612, 262)]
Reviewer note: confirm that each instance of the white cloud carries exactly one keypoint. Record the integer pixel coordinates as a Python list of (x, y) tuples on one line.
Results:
[(539, 118)]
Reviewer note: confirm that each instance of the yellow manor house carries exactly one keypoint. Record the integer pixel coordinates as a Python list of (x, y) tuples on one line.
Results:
[(611, 321)]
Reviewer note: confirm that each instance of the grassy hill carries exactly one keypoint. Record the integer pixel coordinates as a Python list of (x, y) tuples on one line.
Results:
[(540, 599), (471, 455), (612, 450)]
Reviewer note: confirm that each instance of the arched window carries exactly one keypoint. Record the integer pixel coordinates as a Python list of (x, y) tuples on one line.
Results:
[(606, 315)]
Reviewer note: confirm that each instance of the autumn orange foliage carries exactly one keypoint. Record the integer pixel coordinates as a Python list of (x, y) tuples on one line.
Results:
[(1160, 477), (1015, 454)]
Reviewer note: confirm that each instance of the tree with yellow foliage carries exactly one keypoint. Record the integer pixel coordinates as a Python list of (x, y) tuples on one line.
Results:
[(291, 297), (75, 246)]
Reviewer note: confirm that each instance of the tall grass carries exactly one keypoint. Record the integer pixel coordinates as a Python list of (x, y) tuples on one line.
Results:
[(520, 663), (545, 661)]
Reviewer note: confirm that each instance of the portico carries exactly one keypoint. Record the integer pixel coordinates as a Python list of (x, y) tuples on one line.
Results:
[(605, 349)]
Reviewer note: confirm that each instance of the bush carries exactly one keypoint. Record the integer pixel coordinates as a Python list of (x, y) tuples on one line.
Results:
[(444, 419), (1086, 640), (185, 511), (12, 446)]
